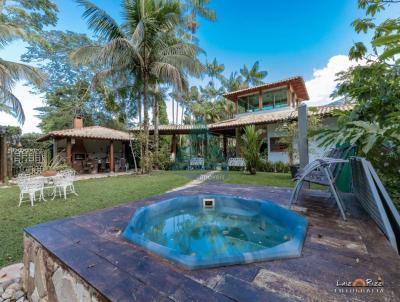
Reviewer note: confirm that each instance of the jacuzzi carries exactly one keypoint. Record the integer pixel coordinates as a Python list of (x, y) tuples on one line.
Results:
[(216, 230)]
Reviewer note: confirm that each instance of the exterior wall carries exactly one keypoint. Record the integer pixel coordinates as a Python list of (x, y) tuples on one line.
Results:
[(314, 151), (45, 279), (273, 131)]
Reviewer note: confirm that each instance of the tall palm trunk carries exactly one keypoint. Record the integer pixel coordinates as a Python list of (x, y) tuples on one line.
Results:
[(145, 118), (183, 109), (177, 111), (156, 120), (173, 111)]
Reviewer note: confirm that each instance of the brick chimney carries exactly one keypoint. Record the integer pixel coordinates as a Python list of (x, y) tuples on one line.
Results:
[(78, 122)]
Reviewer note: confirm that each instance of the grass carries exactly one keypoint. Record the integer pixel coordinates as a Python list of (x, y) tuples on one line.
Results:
[(93, 194), (260, 179), (264, 179)]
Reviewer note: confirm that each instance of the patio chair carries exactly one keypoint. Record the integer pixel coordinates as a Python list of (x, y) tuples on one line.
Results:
[(324, 171), (320, 172), (30, 186), (64, 182), (236, 162)]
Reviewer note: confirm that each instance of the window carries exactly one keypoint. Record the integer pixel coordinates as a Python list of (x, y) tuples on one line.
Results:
[(248, 103), (276, 145), (268, 100), (275, 99)]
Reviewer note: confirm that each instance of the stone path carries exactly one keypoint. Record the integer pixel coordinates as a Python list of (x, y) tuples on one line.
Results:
[(11, 284), (199, 180)]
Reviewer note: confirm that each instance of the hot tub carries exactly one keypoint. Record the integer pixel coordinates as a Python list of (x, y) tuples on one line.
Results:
[(215, 230)]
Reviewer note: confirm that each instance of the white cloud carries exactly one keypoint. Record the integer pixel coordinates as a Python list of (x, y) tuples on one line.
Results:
[(29, 102), (323, 82)]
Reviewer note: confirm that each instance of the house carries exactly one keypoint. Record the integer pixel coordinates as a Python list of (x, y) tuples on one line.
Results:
[(92, 149), (267, 106)]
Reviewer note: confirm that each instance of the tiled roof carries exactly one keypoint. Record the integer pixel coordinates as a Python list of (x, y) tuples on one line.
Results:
[(262, 117), (297, 84), (93, 132), (265, 117)]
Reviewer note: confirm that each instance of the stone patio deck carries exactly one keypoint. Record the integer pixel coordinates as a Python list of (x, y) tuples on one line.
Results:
[(334, 251)]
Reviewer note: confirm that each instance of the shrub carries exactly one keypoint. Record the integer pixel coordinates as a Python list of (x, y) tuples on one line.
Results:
[(251, 145)]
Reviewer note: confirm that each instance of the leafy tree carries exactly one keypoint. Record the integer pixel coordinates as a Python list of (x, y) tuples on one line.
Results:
[(30, 15), (386, 37), (53, 58), (254, 75), (251, 144), (374, 90)]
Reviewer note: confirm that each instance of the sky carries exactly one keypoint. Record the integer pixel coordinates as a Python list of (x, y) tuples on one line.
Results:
[(310, 38)]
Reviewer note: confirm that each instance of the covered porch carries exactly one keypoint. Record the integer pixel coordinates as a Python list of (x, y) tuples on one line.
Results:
[(91, 150)]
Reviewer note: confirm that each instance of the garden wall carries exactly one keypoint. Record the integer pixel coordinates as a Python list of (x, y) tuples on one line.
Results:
[(46, 279)]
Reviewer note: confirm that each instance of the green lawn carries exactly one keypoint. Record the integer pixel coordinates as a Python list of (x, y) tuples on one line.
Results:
[(260, 179), (93, 194)]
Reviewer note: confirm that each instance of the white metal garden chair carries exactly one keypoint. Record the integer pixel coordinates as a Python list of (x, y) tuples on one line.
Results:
[(196, 162), (236, 162), (30, 186), (64, 183)]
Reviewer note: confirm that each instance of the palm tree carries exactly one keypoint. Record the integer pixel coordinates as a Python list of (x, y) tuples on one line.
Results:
[(195, 8), (11, 73), (145, 44), (233, 83), (214, 70), (254, 76)]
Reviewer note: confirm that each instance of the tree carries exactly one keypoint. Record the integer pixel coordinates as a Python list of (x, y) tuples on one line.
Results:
[(194, 8), (11, 73), (145, 45), (53, 58), (254, 76), (386, 37), (214, 69), (374, 90), (30, 15), (252, 141), (233, 83), (21, 19)]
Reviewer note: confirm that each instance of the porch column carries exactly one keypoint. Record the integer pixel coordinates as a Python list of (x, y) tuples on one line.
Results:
[(237, 132), (112, 164), (303, 140), (69, 151), (225, 144), (3, 158), (54, 148), (260, 100), (173, 147)]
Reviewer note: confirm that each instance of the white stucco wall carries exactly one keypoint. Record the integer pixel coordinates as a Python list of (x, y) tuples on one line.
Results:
[(314, 151)]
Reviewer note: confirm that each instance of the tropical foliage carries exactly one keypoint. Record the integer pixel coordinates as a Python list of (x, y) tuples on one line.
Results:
[(374, 90), (251, 145), (14, 26), (145, 47)]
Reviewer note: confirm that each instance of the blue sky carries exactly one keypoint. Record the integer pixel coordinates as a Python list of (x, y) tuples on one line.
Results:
[(309, 38)]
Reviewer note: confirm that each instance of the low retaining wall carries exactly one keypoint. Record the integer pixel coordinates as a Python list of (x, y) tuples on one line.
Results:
[(45, 279)]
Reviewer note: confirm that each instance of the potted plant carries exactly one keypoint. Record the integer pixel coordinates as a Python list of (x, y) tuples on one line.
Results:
[(51, 167)]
